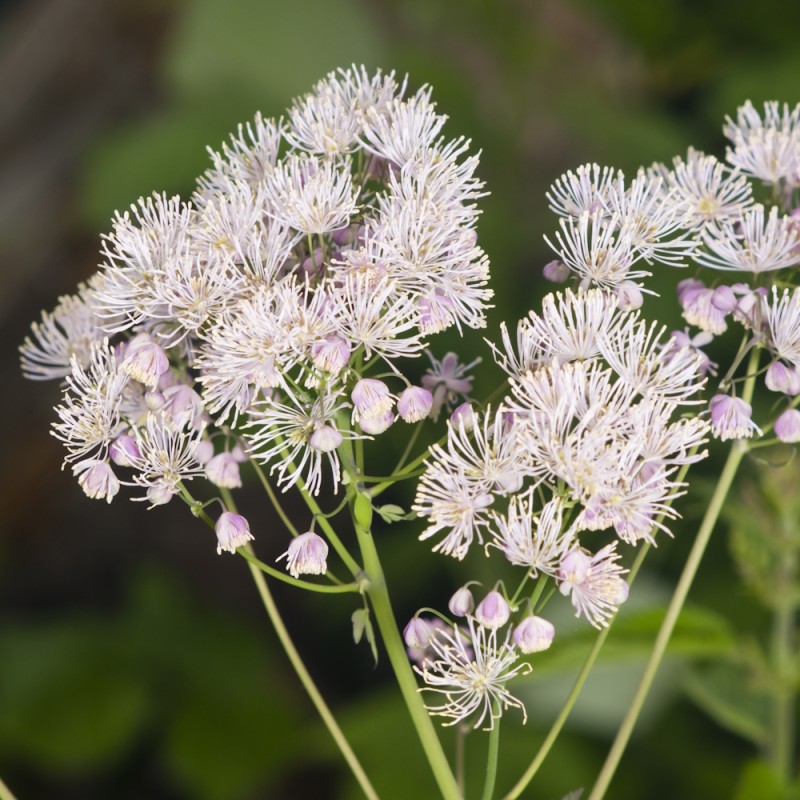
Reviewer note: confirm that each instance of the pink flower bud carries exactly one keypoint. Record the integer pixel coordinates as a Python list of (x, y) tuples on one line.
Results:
[(462, 602), (375, 425), (153, 400), (787, 426), (307, 555), (414, 403), (556, 271), (97, 479), (204, 451), (435, 314), (724, 299), (159, 494), (493, 611), (463, 415), (145, 362), (325, 439), (534, 634), (124, 451), (371, 398), (731, 418), (417, 634), (223, 471), (330, 354), (780, 378), (183, 406), (233, 531), (629, 296)]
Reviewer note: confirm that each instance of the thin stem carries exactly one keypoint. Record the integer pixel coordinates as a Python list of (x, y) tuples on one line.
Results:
[(670, 619), (491, 759), (409, 447), (461, 739), (395, 649), (737, 452), (324, 588), (273, 498), (575, 691), (782, 738), (310, 686)]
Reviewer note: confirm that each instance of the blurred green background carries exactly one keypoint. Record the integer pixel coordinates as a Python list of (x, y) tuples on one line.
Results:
[(134, 661)]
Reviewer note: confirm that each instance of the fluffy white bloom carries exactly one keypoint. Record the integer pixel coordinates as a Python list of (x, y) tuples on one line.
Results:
[(708, 190), (782, 316), (90, 414), (766, 147), (584, 191), (593, 583), (755, 242), (471, 669), (68, 331)]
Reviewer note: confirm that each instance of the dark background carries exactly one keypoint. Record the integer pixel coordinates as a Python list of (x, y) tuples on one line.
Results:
[(134, 661)]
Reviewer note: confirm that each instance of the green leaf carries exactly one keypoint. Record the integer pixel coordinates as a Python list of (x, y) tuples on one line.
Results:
[(362, 626), (724, 692), (362, 510)]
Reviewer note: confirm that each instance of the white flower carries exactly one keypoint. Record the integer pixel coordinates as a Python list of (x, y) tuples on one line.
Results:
[(583, 191), (471, 669), (594, 583), (753, 243), (310, 195), (68, 331), (767, 148), (783, 324), (307, 555)]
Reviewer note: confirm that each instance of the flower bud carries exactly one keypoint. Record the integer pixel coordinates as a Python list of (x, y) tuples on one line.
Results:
[(325, 439), (159, 494), (463, 415), (493, 611), (417, 634), (330, 354), (145, 362), (375, 425), (97, 479), (183, 406), (731, 417), (124, 451), (787, 426), (414, 403), (462, 602), (556, 271), (780, 378), (534, 634), (223, 471), (204, 451), (629, 296), (233, 531), (307, 555), (371, 398)]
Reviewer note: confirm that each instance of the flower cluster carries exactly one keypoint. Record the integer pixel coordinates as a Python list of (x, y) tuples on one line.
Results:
[(261, 319)]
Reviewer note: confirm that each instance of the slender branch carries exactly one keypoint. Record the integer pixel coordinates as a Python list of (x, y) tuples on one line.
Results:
[(325, 588), (491, 759), (673, 611), (782, 738), (310, 686), (273, 498)]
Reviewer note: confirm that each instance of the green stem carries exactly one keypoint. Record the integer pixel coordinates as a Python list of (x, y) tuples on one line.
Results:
[(491, 759), (670, 619), (395, 649), (461, 738), (310, 687), (325, 588), (273, 498), (575, 691), (782, 738)]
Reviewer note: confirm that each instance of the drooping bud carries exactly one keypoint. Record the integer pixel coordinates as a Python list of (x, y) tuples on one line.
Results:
[(414, 403), (204, 451), (534, 634), (124, 451), (233, 531), (160, 493), (97, 479), (780, 378), (462, 602), (556, 271), (325, 439), (463, 415), (493, 611), (145, 361), (330, 354), (731, 418), (417, 634), (371, 398), (223, 471), (787, 426), (307, 555), (375, 425), (183, 406)]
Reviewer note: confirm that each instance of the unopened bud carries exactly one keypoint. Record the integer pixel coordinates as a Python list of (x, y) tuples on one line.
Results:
[(534, 634), (493, 611)]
